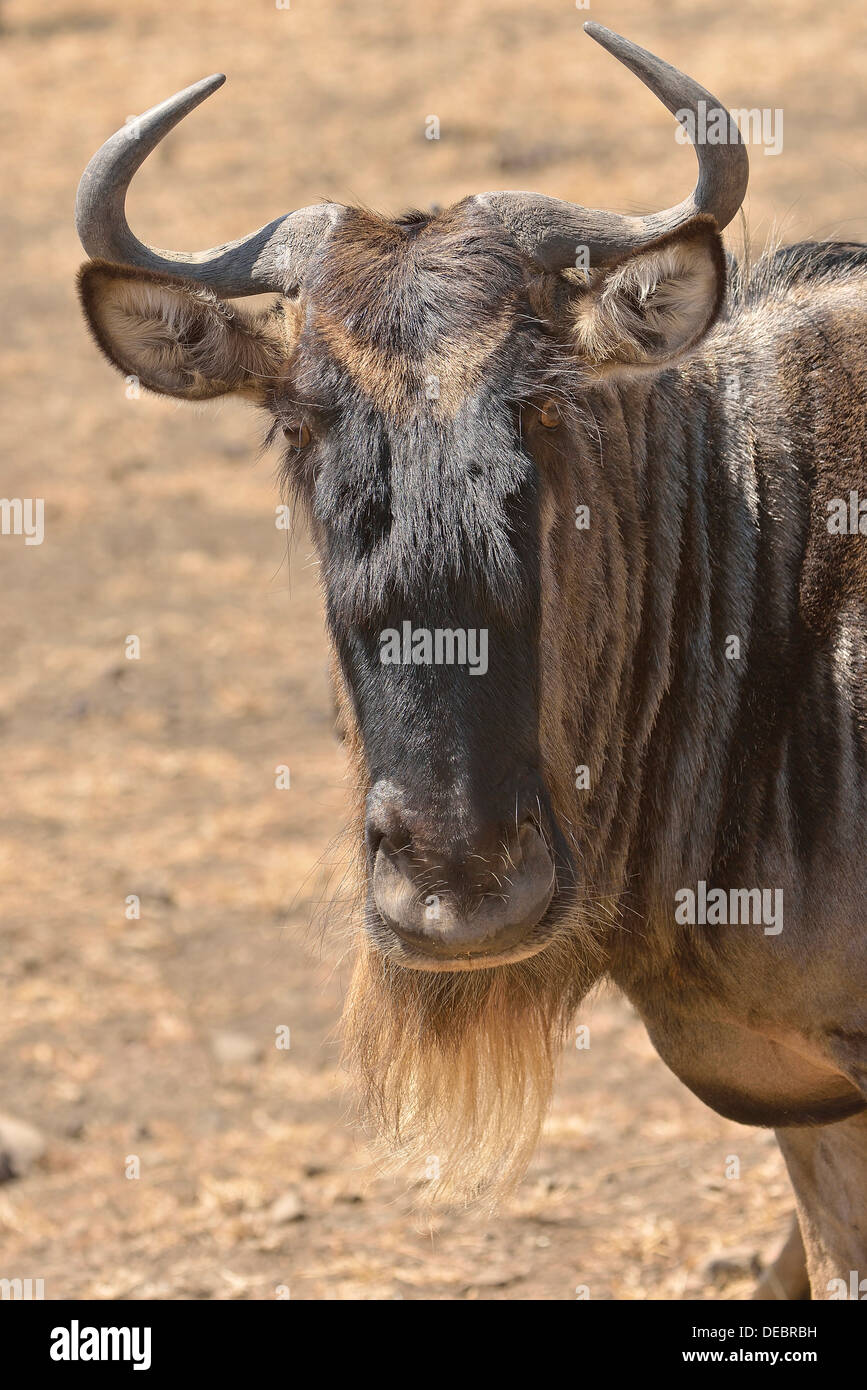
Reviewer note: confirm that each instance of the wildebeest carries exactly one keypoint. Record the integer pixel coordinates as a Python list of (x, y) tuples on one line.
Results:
[(621, 481)]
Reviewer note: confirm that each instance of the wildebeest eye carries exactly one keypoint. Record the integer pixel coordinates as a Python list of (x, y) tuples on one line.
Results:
[(549, 415), (298, 435)]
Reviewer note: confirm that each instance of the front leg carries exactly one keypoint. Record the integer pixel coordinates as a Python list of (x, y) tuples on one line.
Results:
[(828, 1168)]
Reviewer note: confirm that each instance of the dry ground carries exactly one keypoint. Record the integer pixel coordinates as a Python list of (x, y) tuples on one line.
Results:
[(156, 776)]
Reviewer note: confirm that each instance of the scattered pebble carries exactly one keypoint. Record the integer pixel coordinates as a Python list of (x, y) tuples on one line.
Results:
[(288, 1207), (21, 1144), (732, 1264)]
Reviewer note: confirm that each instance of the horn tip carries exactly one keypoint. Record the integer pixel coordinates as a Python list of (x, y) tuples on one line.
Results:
[(191, 97), (198, 91), (606, 37)]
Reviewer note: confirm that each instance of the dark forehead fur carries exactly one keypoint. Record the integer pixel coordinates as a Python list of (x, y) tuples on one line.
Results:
[(421, 337)]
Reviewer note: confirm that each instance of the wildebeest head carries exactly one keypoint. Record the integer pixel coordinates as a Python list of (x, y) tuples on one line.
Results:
[(427, 374)]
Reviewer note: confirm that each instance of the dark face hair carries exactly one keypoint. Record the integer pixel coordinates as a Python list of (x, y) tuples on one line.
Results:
[(421, 357)]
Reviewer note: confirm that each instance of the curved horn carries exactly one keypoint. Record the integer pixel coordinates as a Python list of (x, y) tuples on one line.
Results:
[(551, 231), (271, 259)]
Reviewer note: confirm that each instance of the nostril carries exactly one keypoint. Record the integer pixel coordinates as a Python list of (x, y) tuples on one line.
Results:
[(527, 833), (387, 820), (392, 840)]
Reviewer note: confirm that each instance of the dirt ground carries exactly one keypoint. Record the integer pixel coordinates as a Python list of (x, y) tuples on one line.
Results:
[(155, 1038)]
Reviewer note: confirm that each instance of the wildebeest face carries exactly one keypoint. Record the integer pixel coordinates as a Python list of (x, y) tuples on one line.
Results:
[(418, 363), (428, 380)]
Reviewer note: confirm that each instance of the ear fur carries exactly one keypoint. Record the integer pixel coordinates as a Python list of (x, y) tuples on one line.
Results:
[(178, 338), (655, 305)]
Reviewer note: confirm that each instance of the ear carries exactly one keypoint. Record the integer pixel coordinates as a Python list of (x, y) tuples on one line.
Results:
[(643, 312), (177, 338)]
